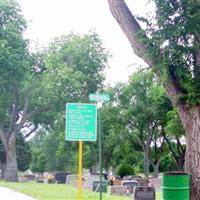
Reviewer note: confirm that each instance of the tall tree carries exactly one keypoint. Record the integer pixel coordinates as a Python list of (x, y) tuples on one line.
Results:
[(145, 105), (14, 63), (170, 46)]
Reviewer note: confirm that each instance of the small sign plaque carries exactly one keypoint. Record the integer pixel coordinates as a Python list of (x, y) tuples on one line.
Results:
[(99, 97)]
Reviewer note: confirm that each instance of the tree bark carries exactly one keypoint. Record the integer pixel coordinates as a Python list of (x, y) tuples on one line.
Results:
[(191, 122), (3, 170), (11, 158), (156, 169), (146, 162)]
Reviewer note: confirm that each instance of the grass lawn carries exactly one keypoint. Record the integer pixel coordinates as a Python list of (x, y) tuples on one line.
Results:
[(57, 192)]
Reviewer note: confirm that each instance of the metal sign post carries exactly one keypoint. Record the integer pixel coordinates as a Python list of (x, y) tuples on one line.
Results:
[(80, 167), (81, 125), (100, 98), (100, 157)]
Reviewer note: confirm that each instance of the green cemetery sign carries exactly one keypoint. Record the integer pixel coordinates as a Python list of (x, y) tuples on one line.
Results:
[(81, 122)]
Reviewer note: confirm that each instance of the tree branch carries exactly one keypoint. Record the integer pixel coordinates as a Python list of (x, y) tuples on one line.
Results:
[(196, 56), (31, 114), (31, 131), (130, 27), (14, 111), (170, 146), (37, 111), (24, 112)]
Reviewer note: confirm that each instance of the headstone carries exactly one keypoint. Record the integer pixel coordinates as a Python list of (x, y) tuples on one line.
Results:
[(88, 183), (40, 179), (60, 177), (142, 181), (117, 182), (27, 178), (117, 190), (137, 177), (96, 186), (156, 182), (144, 193), (30, 177), (72, 179), (130, 184)]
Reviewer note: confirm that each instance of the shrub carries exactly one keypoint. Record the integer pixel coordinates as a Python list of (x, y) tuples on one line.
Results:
[(125, 170)]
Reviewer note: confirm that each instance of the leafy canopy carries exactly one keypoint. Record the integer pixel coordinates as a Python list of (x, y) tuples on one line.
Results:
[(175, 35)]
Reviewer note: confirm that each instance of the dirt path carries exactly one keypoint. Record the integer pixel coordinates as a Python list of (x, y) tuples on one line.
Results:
[(8, 194)]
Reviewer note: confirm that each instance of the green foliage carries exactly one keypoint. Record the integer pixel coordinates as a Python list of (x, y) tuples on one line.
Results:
[(174, 126), (50, 152), (167, 163), (125, 169), (65, 69), (38, 161), (14, 58), (23, 153), (144, 105), (174, 35)]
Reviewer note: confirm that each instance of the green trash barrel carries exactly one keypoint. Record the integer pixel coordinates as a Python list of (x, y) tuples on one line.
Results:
[(176, 186)]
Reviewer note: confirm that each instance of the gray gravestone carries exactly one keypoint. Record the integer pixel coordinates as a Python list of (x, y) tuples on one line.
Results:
[(88, 183), (117, 190), (144, 193), (131, 184), (72, 179), (96, 186), (142, 181), (60, 177)]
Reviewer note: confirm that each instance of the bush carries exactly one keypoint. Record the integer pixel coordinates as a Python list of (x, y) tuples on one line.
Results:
[(125, 170)]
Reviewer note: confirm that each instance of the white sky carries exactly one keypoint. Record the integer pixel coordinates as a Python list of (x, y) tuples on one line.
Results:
[(51, 18)]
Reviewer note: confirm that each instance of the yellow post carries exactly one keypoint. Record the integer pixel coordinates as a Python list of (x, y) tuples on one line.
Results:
[(80, 167)]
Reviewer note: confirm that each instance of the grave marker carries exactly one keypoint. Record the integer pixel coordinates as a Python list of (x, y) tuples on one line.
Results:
[(72, 179), (96, 186), (144, 193), (131, 184), (117, 190)]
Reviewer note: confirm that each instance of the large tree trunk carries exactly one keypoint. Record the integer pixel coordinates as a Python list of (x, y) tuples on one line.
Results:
[(146, 165), (11, 158), (191, 122), (156, 169), (146, 162), (181, 162)]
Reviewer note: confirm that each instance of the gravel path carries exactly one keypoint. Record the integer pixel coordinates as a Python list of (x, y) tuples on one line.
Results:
[(8, 194)]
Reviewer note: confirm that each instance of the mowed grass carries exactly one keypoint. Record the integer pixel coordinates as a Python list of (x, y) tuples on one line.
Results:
[(58, 192)]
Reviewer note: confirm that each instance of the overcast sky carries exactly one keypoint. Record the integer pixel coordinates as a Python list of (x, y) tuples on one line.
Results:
[(51, 18)]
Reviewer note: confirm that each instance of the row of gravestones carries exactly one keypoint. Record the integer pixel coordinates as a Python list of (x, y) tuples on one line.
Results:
[(128, 187), (56, 177), (139, 192), (87, 183)]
